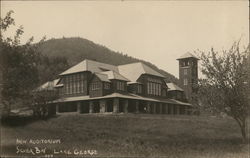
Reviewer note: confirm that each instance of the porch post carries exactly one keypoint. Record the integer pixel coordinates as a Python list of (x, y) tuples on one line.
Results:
[(188, 110), (126, 106), (148, 107), (91, 106), (57, 107), (166, 108), (116, 105), (78, 104), (154, 108), (172, 109), (160, 111), (177, 109), (102, 106), (137, 106)]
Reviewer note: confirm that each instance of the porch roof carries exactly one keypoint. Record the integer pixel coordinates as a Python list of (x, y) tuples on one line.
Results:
[(125, 96)]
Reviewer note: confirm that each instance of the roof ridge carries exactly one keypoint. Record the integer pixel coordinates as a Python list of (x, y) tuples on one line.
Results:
[(130, 63), (99, 62)]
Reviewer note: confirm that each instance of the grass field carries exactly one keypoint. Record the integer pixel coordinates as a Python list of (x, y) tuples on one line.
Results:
[(133, 135)]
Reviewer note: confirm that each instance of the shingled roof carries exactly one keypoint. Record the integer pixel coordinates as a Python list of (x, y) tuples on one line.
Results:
[(131, 71), (187, 55), (90, 65), (102, 77), (173, 87), (135, 70), (115, 75)]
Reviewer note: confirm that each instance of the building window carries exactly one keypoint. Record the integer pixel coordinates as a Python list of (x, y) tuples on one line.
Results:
[(83, 83), (139, 88), (185, 81), (120, 86), (78, 82), (185, 71), (74, 84), (154, 88), (70, 84), (106, 85), (95, 86)]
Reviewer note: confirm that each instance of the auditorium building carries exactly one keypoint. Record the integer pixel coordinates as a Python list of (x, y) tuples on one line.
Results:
[(95, 87)]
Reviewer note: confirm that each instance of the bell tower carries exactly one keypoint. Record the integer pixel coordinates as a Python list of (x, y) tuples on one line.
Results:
[(188, 74)]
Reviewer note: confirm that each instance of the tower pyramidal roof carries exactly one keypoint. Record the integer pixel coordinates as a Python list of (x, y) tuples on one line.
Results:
[(188, 55)]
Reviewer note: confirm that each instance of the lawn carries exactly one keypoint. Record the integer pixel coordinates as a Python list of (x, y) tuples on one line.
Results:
[(129, 135)]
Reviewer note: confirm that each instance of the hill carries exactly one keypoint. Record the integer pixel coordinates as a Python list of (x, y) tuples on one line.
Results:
[(78, 49), (132, 135)]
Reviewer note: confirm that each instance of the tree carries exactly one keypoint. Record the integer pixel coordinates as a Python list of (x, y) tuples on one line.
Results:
[(44, 96), (226, 85), (18, 67)]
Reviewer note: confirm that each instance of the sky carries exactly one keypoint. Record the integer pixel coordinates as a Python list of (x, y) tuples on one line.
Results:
[(155, 31)]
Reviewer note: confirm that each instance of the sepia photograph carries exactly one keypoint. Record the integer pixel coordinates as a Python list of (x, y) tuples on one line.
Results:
[(124, 79)]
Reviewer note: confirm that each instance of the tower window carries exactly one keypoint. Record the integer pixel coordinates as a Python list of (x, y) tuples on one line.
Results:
[(185, 71), (185, 81), (185, 63)]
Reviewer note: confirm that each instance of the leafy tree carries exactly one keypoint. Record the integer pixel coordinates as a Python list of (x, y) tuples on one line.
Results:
[(18, 67), (43, 100), (23, 68), (226, 85)]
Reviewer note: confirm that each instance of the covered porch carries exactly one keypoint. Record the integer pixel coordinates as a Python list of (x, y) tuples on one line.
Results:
[(120, 103)]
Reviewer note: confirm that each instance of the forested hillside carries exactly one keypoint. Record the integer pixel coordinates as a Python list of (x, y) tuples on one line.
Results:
[(78, 49)]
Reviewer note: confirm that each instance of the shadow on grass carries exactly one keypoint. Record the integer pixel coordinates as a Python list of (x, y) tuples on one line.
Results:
[(13, 121)]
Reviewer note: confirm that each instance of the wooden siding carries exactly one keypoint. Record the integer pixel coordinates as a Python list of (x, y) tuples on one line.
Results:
[(95, 92)]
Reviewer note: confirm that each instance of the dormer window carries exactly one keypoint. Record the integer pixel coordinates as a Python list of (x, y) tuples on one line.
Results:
[(154, 88), (139, 88), (106, 85), (120, 86), (95, 86)]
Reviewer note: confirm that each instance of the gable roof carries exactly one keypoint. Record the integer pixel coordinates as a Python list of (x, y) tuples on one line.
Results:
[(90, 65), (50, 85), (173, 87), (114, 75), (187, 55), (134, 70)]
